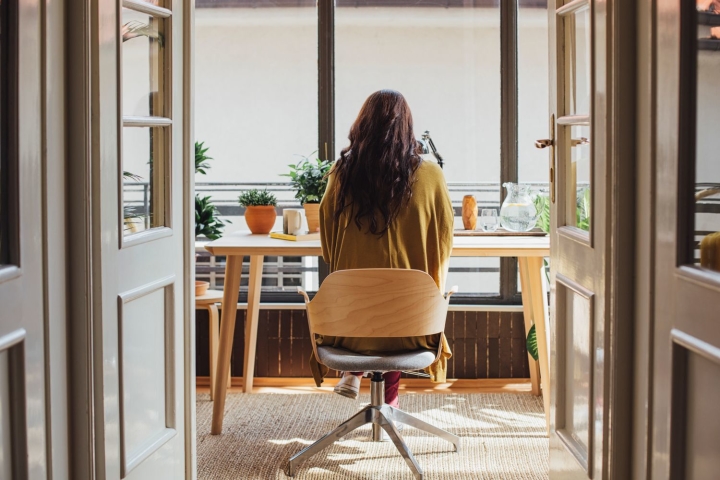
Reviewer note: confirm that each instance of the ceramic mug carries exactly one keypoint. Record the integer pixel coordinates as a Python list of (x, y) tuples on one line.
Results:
[(292, 221)]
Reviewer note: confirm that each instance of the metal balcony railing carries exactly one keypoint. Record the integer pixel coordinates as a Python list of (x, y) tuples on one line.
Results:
[(286, 273)]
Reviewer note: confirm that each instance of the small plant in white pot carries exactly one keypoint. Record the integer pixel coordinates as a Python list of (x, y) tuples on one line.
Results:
[(309, 179), (260, 211)]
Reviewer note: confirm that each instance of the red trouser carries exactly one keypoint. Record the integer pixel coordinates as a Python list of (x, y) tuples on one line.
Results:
[(392, 383)]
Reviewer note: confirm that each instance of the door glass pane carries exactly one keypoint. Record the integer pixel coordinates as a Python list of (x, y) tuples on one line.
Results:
[(533, 92), (142, 42), (577, 62), (446, 63), (578, 174), (706, 234), (143, 179)]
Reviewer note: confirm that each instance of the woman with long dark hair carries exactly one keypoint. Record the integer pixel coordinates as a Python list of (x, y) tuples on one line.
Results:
[(385, 207)]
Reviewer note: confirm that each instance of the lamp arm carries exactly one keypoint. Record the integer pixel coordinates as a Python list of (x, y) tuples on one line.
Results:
[(426, 137)]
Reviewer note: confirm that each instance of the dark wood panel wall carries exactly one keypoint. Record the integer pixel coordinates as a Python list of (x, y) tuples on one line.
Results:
[(484, 344)]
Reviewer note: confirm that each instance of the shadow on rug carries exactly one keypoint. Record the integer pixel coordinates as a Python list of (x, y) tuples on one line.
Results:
[(503, 437)]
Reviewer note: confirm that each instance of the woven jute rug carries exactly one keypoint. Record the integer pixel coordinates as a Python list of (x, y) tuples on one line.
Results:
[(503, 437)]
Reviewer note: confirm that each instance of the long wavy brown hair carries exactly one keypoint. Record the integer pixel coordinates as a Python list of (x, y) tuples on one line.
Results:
[(375, 173)]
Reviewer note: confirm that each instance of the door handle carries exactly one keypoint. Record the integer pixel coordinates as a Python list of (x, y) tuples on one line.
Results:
[(550, 142)]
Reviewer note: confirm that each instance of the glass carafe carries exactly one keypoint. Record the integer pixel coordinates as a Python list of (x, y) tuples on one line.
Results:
[(518, 212)]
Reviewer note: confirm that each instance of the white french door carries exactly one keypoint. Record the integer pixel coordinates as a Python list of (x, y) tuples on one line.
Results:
[(591, 173), (142, 228), (23, 437)]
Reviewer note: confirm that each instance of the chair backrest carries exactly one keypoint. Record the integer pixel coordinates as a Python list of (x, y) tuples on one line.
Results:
[(378, 302)]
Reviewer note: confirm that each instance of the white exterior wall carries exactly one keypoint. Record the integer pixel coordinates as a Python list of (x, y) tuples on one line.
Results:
[(256, 84)]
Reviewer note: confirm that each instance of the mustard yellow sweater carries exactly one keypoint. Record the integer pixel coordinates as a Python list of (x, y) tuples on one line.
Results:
[(420, 238)]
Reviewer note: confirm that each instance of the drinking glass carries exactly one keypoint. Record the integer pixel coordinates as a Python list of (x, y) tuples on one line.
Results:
[(489, 219)]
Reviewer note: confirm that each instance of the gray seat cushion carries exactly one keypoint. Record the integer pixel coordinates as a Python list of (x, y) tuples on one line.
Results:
[(347, 361)]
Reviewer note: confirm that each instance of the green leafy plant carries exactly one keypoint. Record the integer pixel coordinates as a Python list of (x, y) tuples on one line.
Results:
[(207, 222), (309, 179), (131, 176), (201, 158), (257, 198), (583, 209), (531, 343), (542, 205)]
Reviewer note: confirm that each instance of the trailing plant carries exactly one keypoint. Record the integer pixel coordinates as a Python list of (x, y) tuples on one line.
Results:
[(309, 179), (201, 158), (257, 198), (207, 222)]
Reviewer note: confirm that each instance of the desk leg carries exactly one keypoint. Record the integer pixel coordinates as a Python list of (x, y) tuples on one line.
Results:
[(233, 269), (529, 317), (538, 296), (251, 320)]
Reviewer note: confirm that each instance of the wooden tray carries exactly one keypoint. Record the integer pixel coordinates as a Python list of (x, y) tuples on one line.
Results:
[(500, 232)]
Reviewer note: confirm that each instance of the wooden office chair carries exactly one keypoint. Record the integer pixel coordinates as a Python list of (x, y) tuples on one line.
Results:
[(376, 302)]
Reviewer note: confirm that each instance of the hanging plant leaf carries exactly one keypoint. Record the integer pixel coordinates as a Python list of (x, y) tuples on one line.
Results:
[(134, 29), (531, 343)]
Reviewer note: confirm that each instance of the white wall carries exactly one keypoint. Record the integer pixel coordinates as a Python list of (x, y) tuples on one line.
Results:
[(256, 84)]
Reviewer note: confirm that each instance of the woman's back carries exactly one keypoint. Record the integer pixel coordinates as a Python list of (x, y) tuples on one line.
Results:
[(420, 237)]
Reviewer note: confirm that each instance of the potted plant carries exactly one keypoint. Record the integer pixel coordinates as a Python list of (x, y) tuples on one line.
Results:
[(309, 179), (259, 210)]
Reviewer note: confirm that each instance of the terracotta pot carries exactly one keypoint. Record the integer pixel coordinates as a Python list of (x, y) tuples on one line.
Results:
[(312, 214), (201, 288), (260, 219), (469, 212)]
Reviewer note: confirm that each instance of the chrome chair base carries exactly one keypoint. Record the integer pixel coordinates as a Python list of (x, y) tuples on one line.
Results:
[(380, 415)]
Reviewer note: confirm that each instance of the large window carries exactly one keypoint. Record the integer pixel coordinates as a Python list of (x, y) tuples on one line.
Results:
[(285, 78)]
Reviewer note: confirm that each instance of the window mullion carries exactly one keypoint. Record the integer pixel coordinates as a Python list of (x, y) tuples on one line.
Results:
[(508, 125), (147, 8), (326, 93)]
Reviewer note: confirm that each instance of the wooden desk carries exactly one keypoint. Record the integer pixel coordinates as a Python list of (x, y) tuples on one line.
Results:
[(530, 252)]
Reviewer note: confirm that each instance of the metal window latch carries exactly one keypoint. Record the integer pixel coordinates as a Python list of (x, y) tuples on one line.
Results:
[(544, 143), (579, 141)]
